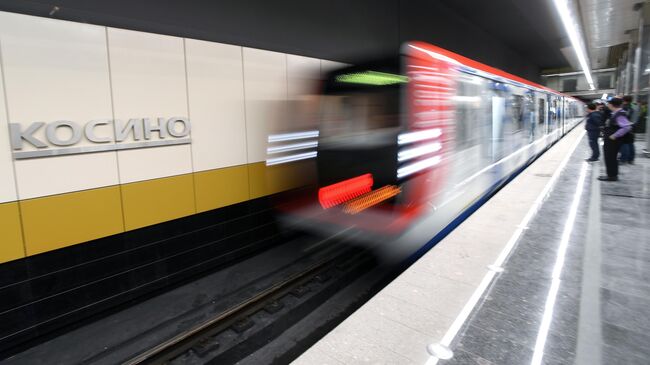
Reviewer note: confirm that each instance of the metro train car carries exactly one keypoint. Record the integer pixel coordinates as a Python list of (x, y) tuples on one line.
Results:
[(420, 136)]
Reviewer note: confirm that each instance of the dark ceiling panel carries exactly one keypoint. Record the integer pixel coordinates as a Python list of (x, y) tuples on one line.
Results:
[(436, 23), (531, 27), (333, 29), (518, 36)]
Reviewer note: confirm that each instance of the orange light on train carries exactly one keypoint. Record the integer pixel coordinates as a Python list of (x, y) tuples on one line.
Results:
[(370, 199)]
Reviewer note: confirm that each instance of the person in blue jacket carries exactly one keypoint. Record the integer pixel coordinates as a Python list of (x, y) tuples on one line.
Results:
[(593, 125)]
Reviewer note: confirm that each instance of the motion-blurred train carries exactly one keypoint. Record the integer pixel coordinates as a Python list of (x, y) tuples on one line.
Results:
[(420, 138)]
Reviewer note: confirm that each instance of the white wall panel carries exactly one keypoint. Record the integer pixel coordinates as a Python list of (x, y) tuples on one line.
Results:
[(216, 103), (148, 80), (7, 182), (303, 75), (265, 86), (327, 65), (56, 70)]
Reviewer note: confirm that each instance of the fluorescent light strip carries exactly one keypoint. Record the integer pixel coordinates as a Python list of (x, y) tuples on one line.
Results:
[(418, 151), (487, 279), (542, 335), (418, 166), (292, 136), (569, 25), (291, 147), (291, 158), (418, 136)]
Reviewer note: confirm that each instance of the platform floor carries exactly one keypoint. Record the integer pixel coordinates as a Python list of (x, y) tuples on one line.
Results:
[(554, 269), (598, 312)]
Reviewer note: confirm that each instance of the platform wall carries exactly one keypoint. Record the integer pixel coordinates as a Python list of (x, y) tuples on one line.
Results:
[(58, 70)]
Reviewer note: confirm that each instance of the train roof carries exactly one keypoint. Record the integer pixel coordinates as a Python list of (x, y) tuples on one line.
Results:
[(473, 65)]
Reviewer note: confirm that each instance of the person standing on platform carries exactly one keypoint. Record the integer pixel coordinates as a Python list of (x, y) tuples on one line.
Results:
[(615, 129), (605, 112), (593, 124), (627, 144)]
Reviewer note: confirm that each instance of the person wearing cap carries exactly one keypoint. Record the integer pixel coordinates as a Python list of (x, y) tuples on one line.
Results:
[(615, 129)]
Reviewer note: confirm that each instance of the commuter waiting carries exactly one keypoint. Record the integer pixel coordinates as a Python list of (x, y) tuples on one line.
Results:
[(594, 122), (615, 129), (627, 143)]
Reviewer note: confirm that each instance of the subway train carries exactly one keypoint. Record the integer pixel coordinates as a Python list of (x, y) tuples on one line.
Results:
[(418, 139)]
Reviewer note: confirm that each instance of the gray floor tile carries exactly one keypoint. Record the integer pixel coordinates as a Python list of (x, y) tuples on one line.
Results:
[(626, 268), (550, 359), (560, 346), (499, 299), (624, 340), (523, 331), (612, 355), (626, 311), (627, 286), (494, 348)]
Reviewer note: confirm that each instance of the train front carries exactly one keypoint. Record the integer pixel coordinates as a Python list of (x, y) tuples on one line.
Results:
[(383, 135)]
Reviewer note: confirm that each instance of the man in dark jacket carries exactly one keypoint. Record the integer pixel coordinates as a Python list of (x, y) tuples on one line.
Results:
[(605, 112), (593, 124), (616, 128)]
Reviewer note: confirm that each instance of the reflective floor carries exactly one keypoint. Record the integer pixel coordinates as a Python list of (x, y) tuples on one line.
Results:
[(576, 289)]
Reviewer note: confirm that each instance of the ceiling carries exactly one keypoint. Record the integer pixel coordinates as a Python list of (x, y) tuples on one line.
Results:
[(605, 24), (534, 29)]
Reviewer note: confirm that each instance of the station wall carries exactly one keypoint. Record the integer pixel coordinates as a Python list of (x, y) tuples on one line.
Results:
[(58, 70)]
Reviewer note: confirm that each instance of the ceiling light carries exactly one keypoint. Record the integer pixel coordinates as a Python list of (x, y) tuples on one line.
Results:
[(572, 31)]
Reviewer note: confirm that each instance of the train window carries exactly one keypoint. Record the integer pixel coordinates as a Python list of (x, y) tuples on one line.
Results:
[(542, 111), (360, 117), (469, 112), (555, 111), (517, 112)]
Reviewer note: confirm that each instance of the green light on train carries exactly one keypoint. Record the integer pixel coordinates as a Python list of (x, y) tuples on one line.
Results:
[(372, 78)]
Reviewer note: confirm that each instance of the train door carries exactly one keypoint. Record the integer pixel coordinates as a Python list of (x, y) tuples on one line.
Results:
[(529, 115), (498, 117), (517, 117), (542, 116), (472, 126), (555, 115), (499, 97), (562, 116)]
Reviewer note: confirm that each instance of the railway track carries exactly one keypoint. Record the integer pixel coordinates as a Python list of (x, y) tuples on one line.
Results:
[(240, 330)]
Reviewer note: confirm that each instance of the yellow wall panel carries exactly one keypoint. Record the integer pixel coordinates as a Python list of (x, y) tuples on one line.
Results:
[(266, 180), (62, 220), (221, 187), (11, 239), (257, 179), (159, 200)]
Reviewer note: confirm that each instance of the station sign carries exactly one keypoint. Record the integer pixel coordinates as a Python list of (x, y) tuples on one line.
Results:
[(61, 136)]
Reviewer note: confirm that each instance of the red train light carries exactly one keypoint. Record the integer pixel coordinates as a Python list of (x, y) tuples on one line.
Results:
[(343, 191)]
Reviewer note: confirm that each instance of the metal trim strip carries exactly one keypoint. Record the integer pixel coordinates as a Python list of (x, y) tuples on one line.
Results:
[(91, 149)]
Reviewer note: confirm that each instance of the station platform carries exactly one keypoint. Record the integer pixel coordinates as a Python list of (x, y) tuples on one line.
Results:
[(553, 269)]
